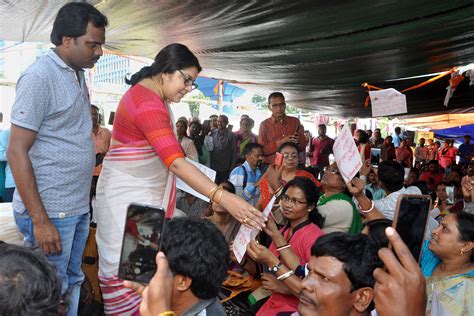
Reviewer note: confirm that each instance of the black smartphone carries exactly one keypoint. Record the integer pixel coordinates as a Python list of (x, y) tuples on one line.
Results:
[(144, 227), (411, 215), (375, 155)]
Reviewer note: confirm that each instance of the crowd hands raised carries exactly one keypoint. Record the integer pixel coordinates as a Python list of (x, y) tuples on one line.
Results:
[(396, 283), (332, 282), (322, 251)]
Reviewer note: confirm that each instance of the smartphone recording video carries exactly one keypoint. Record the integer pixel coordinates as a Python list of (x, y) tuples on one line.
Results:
[(375, 155), (450, 195), (141, 242), (410, 220), (278, 159)]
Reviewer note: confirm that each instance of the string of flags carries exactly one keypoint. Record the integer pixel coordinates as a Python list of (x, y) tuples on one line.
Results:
[(389, 101)]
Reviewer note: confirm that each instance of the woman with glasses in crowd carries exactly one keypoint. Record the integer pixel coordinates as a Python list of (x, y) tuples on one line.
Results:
[(288, 173), (336, 206), (142, 162), (447, 263), (290, 249)]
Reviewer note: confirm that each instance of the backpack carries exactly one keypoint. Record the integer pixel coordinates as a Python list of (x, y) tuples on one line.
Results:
[(245, 177)]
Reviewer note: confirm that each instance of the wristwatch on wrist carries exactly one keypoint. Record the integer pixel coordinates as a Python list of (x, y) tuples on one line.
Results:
[(275, 269)]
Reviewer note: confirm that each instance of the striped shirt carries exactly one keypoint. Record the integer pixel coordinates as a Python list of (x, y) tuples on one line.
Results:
[(141, 119), (250, 192)]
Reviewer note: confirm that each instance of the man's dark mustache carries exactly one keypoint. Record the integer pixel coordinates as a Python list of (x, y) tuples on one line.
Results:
[(307, 298)]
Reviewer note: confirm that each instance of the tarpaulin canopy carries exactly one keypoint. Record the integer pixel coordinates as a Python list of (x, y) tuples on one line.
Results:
[(209, 87), (442, 121), (317, 52), (455, 132)]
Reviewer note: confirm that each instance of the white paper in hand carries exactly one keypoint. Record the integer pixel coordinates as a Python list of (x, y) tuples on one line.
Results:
[(387, 102), (211, 174), (245, 234), (346, 154)]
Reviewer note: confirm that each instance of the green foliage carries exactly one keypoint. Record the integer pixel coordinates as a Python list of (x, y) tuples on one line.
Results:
[(261, 103), (194, 106)]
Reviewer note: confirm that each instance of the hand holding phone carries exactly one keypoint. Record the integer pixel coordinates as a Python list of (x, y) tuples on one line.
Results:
[(450, 195), (402, 280), (278, 160), (141, 242), (157, 295), (411, 215)]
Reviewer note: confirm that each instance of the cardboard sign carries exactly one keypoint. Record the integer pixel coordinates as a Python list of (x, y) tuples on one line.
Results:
[(425, 135), (246, 234), (346, 154), (387, 102), (211, 174)]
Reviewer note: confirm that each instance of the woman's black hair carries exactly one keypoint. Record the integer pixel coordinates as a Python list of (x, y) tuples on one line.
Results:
[(363, 137), (312, 193), (170, 59), (465, 223), (228, 186), (288, 144), (416, 171)]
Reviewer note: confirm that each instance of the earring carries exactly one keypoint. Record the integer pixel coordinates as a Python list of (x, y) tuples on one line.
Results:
[(461, 252), (309, 210)]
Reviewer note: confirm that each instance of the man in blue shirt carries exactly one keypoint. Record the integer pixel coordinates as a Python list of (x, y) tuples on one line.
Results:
[(466, 150), (245, 176), (397, 137)]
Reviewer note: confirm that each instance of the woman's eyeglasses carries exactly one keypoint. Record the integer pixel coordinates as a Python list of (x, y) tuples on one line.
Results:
[(331, 170), (188, 81), (293, 201), (290, 156)]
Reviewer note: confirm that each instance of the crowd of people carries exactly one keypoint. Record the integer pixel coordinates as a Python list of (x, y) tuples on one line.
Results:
[(322, 251)]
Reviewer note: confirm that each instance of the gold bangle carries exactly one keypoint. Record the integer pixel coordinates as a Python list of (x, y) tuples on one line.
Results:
[(211, 193), (167, 313), (278, 191), (218, 198), (214, 194)]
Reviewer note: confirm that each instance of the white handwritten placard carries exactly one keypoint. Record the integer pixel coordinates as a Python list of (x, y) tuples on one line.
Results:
[(211, 174), (245, 234), (387, 102), (346, 154)]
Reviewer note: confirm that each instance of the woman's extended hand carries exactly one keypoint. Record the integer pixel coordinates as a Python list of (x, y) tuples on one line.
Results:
[(242, 211), (261, 254), (236, 206)]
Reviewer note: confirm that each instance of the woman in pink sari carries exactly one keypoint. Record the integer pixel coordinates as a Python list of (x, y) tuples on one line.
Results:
[(142, 162)]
